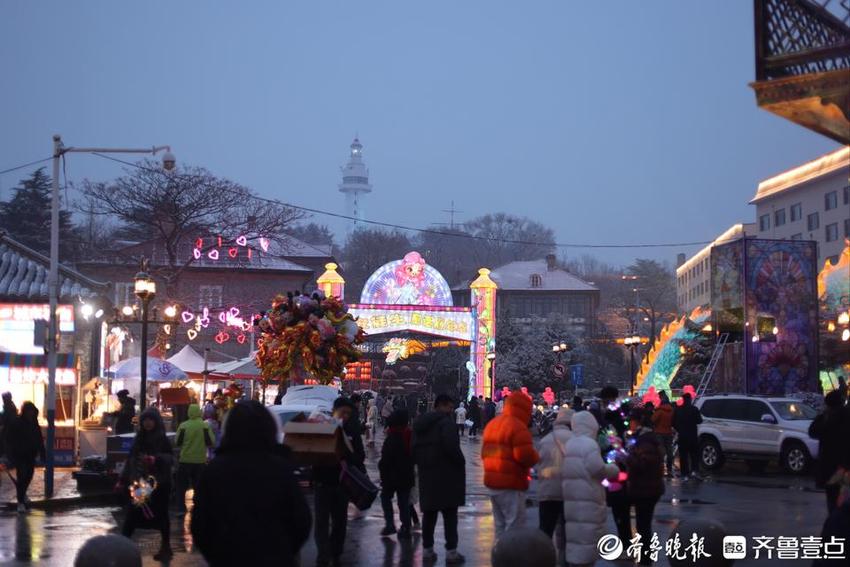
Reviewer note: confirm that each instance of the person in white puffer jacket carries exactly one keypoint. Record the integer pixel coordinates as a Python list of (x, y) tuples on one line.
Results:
[(549, 491), (582, 474)]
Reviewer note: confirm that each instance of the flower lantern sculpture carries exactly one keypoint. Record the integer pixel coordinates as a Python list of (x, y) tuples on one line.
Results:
[(307, 337)]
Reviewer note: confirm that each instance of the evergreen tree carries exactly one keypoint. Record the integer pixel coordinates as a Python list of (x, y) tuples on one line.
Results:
[(26, 216)]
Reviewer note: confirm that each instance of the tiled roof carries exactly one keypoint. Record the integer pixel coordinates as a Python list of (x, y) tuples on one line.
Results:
[(23, 275), (518, 276)]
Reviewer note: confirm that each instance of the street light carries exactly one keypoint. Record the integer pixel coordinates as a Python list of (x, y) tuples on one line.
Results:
[(145, 289), (632, 342), (59, 151)]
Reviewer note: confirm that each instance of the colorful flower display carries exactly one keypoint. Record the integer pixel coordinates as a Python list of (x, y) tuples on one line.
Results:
[(307, 336)]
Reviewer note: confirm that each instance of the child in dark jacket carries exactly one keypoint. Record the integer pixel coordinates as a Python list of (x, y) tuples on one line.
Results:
[(397, 476)]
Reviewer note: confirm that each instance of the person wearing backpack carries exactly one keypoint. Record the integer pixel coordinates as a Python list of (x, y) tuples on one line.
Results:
[(549, 492)]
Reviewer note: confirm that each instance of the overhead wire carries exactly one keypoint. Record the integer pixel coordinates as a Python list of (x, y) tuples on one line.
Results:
[(17, 167), (433, 231)]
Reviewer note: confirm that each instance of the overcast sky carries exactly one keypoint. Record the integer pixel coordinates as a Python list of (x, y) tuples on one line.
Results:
[(612, 122)]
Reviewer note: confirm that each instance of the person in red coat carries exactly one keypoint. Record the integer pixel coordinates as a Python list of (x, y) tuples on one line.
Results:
[(508, 452)]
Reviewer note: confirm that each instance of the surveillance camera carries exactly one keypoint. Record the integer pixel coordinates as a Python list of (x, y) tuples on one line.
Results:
[(168, 161)]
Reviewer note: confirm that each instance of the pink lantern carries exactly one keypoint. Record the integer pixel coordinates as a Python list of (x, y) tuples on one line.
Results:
[(524, 390)]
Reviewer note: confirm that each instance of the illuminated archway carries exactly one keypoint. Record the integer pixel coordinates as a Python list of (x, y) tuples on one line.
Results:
[(409, 295)]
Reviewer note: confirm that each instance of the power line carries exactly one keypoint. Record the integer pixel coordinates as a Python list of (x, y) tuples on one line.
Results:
[(435, 231), (11, 169)]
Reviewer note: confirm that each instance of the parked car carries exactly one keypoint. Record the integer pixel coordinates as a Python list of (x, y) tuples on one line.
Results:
[(757, 429)]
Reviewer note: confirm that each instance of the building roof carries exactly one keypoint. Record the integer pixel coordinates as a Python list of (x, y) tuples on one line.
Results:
[(277, 257), (518, 276), (731, 234), (23, 275), (837, 160)]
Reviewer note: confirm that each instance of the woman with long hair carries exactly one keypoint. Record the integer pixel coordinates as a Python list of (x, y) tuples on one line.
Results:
[(249, 509)]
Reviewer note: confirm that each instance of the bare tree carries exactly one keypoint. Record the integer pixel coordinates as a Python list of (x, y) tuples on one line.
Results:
[(172, 209)]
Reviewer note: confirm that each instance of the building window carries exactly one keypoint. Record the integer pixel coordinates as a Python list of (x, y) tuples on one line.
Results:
[(830, 200), (832, 232), (797, 236), (796, 212), (124, 294), (209, 296), (764, 223), (814, 221), (536, 280), (779, 217), (846, 228), (847, 195)]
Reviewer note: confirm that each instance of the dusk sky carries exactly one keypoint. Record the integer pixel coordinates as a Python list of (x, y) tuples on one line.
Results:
[(612, 122)]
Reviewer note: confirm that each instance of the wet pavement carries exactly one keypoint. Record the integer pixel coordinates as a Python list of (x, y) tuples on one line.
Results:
[(769, 503)]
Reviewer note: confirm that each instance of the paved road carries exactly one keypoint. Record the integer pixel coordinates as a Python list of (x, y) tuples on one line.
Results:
[(767, 504)]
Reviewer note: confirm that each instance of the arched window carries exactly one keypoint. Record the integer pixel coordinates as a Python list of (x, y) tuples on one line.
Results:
[(536, 280)]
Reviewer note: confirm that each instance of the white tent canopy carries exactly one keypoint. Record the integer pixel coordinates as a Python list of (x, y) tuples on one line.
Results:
[(244, 366), (158, 370), (188, 360)]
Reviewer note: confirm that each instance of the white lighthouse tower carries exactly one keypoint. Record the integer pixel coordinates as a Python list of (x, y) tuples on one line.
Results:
[(355, 184)]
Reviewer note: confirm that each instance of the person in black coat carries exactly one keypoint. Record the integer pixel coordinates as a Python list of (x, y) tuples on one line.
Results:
[(125, 413), (151, 456), (249, 509), (489, 411), (686, 418), (474, 415), (330, 499), (832, 428), (397, 475), (24, 444), (442, 475)]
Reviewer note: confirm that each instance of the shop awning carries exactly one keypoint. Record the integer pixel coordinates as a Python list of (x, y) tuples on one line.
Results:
[(32, 369), (15, 360)]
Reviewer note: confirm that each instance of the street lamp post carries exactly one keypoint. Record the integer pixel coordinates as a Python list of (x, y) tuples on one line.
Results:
[(59, 150), (559, 349), (632, 343), (145, 290)]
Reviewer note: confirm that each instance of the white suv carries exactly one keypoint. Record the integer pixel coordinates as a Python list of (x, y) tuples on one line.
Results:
[(756, 429)]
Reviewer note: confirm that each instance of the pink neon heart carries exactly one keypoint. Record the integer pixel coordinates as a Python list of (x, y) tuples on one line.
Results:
[(192, 333), (241, 241), (197, 253), (187, 316), (264, 244), (213, 254), (234, 312), (222, 317)]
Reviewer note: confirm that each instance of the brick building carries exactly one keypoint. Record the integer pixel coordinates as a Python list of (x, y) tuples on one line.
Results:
[(221, 286), (540, 288)]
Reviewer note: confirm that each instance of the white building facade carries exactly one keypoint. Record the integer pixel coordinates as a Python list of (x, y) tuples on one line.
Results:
[(693, 277), (808, 202)]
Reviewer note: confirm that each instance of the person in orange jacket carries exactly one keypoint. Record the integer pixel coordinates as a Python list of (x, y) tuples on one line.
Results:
[(508, 452), (662, 423)]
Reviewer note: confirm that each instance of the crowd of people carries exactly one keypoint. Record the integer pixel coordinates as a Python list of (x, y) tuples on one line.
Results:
[(248, 507)]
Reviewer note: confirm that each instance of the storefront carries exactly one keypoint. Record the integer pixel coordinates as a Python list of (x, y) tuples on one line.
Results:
[(24, 312)]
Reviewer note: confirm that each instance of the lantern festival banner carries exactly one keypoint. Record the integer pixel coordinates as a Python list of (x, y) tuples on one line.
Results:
[(451, 322)]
